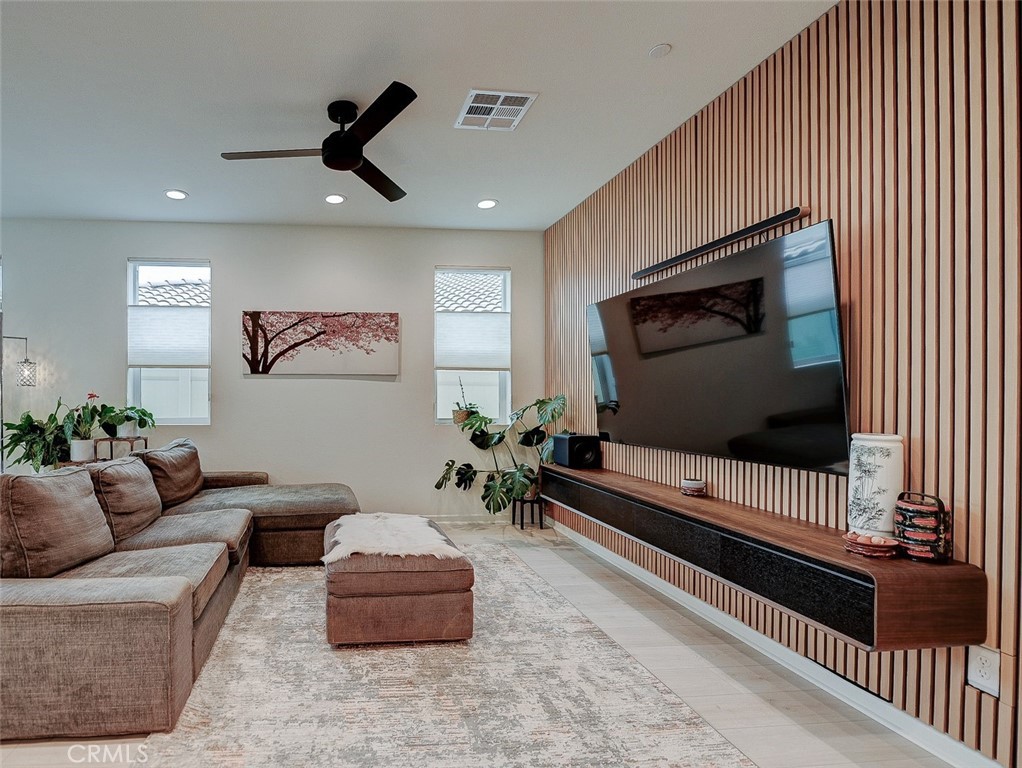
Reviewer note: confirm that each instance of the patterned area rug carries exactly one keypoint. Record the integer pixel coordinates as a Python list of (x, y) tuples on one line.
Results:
[(538, 685)]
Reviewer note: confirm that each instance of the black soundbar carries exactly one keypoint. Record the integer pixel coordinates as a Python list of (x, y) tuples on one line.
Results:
[(792, 214)]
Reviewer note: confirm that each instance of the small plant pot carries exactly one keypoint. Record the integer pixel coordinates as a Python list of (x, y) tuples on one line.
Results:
[(460, 417), (127, 429), (83, 450)]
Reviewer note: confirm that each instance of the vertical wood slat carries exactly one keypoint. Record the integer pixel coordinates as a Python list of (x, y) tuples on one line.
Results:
[(1010, 742), (901, 122), (944, 478), (994, 380), (961, 346), (930, 289)]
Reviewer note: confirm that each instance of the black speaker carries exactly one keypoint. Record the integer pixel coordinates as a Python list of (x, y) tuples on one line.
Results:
[(577, 451)]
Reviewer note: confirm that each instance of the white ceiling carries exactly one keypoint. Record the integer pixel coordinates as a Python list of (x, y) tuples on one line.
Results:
[(106, 104)]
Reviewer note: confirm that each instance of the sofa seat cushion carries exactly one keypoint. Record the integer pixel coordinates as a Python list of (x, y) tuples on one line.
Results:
[(204, 565), (361, 574), (49, 523), (175, 469), (278, 507), (126, 492), (232, 527)]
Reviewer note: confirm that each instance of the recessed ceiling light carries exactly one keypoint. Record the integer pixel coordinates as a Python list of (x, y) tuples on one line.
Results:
[(484, 204), (335, 199), (659, 50), (175, 194)]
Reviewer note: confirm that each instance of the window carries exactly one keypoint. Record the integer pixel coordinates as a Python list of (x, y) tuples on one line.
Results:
[(472, 340), (169, 339)]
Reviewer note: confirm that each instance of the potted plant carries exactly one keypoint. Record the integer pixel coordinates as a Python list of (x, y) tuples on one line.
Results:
[(519, 480), (79, 424), (43, 442), (125, 422), (463, 410)]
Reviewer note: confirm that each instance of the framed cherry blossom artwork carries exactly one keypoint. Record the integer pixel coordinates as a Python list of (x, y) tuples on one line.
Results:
[(669, 321), (320, 343)]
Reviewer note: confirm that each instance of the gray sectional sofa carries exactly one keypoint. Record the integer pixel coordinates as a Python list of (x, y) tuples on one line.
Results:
[(118, 575)]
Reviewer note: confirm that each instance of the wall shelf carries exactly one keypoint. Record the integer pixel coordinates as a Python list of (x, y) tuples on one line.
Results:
[(799, 567)]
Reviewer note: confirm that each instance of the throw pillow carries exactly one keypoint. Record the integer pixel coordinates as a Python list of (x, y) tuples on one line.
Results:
[(175, 470), (127, 494), (49, 523)]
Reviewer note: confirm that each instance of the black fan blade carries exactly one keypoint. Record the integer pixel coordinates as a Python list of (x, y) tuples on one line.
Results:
[(271, 153), (379, 181), (387, 106)]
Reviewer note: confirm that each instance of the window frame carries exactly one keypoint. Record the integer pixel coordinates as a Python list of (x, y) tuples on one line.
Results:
[(505, 382), (133, 389)]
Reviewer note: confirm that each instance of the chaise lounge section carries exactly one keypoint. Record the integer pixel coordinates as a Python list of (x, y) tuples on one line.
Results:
[(288, 519)]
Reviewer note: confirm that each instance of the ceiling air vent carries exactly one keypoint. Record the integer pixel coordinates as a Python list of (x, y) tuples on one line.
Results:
[(494, 110)]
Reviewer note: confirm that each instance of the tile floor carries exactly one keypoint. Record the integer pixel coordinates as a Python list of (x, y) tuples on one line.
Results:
[(775, 717)]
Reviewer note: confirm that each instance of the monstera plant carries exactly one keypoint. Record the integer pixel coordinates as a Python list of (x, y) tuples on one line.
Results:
[(506, 481)]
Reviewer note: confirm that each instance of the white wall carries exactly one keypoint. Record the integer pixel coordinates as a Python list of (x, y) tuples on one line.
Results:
[(65, 288)]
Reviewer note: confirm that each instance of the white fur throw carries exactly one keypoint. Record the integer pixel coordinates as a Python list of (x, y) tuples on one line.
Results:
[(387, 534)]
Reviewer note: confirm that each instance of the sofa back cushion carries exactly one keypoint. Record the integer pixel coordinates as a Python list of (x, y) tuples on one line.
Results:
[(127, 495), (49, 523), (175, 470)]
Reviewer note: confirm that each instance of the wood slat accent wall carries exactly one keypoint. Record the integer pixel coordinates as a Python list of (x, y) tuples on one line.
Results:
[(899, 121)]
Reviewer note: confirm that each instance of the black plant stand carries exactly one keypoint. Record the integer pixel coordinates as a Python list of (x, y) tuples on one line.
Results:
[(518, 505)]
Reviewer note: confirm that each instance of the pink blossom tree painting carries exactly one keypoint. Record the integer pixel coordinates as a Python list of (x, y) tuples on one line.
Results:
[(363, 343)]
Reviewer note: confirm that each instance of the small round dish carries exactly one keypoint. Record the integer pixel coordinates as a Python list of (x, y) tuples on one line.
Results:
[(870, 546)]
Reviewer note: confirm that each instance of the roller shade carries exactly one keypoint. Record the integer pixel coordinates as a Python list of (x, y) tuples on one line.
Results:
[(159, 336), (473, 340)]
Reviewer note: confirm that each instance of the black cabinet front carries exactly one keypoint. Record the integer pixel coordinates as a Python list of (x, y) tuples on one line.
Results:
[(828, 596)]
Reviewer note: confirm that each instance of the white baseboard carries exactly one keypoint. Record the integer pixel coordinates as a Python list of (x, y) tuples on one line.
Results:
[(929, 738)]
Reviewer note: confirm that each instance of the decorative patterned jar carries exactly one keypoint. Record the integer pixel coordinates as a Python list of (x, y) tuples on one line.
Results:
[(923, 526), (876, 475)]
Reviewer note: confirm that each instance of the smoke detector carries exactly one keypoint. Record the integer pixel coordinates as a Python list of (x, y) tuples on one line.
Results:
[(494, 110)]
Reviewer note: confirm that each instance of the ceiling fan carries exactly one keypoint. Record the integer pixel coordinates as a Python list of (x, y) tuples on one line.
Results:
[(342, 149)]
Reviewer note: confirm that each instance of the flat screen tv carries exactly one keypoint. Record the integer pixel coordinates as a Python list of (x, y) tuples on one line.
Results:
[(740, 357)]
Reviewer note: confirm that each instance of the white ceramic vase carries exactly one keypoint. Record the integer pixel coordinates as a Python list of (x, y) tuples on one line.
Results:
[(127, 429), (876, 475), (83, 450)]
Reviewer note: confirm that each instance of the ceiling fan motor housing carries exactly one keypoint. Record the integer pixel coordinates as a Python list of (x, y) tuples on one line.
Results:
[(342, 152)]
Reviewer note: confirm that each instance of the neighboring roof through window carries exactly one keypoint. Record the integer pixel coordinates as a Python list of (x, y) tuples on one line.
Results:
[(174, 293), (469, 291)]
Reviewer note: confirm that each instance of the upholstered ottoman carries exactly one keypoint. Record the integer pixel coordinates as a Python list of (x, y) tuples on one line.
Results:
[(390, 598)]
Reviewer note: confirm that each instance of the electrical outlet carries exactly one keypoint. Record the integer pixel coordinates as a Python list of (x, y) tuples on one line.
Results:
[(985, 669)]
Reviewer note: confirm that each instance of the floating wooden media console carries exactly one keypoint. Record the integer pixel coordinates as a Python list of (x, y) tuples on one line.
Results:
[(797, 566)]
